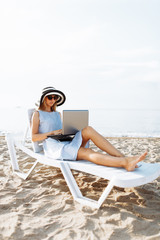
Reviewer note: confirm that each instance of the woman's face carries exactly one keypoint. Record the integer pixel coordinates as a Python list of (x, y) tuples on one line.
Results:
[(50, 100)]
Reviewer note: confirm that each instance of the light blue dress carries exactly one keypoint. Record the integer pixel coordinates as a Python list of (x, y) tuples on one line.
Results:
[(50, 121)]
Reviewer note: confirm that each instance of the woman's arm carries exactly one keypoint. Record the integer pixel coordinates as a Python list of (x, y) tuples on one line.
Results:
[(36, 136)]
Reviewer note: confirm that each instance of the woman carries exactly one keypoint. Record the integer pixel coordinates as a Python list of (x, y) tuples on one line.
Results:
[(47, 121)]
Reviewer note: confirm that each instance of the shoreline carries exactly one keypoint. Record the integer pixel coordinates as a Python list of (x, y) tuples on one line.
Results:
[(115, 123), (42, 207), (125, 137)]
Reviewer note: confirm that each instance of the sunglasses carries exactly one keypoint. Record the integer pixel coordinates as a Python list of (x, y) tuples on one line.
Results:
[(50, 97)]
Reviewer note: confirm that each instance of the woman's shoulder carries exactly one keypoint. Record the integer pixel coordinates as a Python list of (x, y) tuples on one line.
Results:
[(36, 113), (35, 117)]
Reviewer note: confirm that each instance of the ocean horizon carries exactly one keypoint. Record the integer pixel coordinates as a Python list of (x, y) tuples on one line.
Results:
[(108, 122), (127, 122)]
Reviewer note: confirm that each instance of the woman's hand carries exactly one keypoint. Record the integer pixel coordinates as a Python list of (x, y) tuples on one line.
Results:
[(56, 132)]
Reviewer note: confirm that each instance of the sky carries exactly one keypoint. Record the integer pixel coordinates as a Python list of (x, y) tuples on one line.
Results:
[(100, 53)]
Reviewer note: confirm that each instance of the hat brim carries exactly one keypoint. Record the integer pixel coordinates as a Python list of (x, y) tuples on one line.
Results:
[(60, 94)]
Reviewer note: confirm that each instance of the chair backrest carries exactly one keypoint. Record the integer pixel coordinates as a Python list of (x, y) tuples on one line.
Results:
[(37, 146)]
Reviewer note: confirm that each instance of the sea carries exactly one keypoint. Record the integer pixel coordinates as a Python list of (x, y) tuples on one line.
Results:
[(108, 122)]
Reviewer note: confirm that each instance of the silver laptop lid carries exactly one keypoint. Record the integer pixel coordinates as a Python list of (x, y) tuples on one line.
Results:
[(74, 120)]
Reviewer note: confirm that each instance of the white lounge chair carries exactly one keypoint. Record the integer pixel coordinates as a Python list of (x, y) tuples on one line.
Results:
[(147, 172)]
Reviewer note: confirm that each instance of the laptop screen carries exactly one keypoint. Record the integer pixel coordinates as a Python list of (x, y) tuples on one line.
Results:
[(74, 121)]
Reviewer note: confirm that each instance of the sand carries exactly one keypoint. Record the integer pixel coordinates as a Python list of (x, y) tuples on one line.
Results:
[(42, 207)]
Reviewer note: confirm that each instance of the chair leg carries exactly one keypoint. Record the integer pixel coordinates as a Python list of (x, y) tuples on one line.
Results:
[(12, 152), (26, 175), (70, 180), (77, 195), (14, 161), (106, 192)]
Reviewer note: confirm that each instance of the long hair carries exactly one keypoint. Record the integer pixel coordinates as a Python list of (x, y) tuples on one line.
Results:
[(54, 107)]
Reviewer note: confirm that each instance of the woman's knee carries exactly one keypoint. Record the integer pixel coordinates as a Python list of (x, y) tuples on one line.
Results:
[(89, 128), (87, 131)]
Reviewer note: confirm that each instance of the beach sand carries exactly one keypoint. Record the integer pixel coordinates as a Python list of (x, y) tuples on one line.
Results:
[(42, 207)]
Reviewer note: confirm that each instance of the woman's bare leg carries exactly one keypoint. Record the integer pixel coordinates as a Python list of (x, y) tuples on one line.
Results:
[(129, 163), (89, 133)]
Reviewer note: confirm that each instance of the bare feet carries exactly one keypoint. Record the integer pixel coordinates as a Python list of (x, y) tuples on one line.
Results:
[(131, 162)]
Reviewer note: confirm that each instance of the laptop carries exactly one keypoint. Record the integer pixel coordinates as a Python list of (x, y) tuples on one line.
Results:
[(73, 121)]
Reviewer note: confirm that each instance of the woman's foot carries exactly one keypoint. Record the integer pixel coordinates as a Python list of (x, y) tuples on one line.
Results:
[(131, 162)]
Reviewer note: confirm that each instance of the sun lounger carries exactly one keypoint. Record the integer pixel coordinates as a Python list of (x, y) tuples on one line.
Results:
[(147, 172)]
